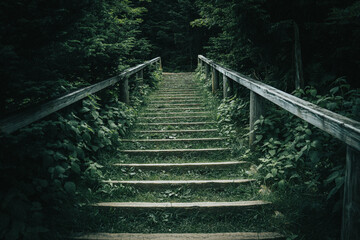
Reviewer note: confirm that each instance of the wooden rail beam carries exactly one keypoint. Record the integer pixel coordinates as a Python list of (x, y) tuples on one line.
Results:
[(340, 127), (345, 129), (21, 119)]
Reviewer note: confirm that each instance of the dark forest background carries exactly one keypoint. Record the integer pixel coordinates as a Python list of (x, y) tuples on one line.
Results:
[(50, 47)]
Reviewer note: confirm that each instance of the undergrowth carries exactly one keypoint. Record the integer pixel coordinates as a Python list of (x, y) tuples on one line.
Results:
[(45, 165), (301, 166)]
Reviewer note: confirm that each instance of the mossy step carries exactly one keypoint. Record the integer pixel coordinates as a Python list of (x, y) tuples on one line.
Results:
[(208, 130), (175, 140), (175, 101), (194, 150), (174, 113), (175, 104), (186, 205), (183, 236), (167, 183), (171, 109), (174, 98), (181, 165), (174, 123), (177, 95), (174, 117)]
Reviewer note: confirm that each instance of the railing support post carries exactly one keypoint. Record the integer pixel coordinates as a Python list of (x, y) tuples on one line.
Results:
[(226, 87), (256, 110), (351, 204), (207, 70), (124, 90), (215, 80), (160, 65)]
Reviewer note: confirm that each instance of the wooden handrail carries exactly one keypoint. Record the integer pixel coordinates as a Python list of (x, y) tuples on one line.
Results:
[(345, 129), (16, 121)]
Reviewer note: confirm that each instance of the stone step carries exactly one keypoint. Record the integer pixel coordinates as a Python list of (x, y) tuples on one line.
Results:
[(175, 140), (167, 183), (179, 131), (186, 150), (173, 117), (183, 236), (175, 123), (181, 165), (160, 205)]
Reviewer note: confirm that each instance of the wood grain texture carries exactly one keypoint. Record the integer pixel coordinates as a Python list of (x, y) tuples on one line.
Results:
[(256, 110), (181, 165), (186, 150), (183, 236), (351, 204), (18, 120), (167, 183), (343, 128), (181, 204), (215, 80)]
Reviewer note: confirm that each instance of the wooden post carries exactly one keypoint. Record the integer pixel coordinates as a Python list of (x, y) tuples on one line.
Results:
[(256, 110), (207, 70), (141, 74), (299, 77), (124, 90), (215, 80), (351, 205), (160, 65), (226, 86)]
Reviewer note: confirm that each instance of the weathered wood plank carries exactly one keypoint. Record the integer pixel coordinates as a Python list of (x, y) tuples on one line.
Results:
[(215, 80), (256, 110), (181, 165), (351, 204), (186, 150), (175, 140), (181, 204), (172, 113), (176, 117), (178, 131), (166, 183), (343, 128), (175, 123), (18, 120), (183, 236)]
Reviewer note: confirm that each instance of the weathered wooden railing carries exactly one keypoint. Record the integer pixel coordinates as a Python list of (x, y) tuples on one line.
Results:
[(342, 128), (16, 121)]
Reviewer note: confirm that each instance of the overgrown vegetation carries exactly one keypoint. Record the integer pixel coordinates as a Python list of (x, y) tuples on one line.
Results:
[(302, 166), (49, 49)]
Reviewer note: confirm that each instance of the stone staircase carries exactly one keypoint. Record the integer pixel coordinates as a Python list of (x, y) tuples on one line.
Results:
[(177, 146)]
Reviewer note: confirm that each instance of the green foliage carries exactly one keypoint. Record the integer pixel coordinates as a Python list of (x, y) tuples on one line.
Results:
[(297, 156), (256, 37)]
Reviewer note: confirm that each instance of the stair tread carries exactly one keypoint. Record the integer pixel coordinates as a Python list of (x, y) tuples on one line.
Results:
[(175, 150), (197, 164), (183, 236), (178, 131), (172, 182), (173, 140), (181, 204), (176, 123)]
